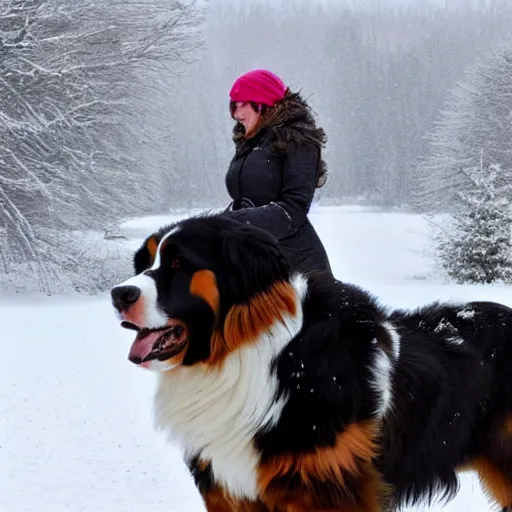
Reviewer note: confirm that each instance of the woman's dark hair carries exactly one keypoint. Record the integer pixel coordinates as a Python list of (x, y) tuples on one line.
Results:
[(294, 106)]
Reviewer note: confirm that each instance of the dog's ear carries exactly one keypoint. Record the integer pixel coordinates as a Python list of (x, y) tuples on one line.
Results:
[(145, 255), (252, 261)]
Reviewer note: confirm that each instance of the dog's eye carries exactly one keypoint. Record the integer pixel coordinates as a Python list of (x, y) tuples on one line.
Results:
[(175, 263)]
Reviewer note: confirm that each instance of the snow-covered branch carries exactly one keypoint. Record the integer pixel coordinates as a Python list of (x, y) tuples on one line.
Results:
[(74, 76)]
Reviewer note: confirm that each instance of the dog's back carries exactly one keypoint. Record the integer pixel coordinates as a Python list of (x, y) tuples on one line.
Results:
[(452, 402)]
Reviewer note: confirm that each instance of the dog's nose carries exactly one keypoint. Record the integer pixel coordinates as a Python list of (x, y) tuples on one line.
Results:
[(124, 296)]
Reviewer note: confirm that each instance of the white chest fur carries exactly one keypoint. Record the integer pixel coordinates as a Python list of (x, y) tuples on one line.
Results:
[(215, 412)]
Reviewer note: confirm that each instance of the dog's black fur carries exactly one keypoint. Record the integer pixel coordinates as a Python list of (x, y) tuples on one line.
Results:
[(450, 372), (452, 401)]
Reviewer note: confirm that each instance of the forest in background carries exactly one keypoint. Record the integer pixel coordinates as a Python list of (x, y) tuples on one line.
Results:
[(378, 80), (120, 109)]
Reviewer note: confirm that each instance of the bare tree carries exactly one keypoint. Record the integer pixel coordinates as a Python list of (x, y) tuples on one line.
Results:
[(76, 76), (475, 125)]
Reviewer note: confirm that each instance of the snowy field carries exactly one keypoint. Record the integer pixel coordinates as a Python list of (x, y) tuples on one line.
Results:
[(75, 425)]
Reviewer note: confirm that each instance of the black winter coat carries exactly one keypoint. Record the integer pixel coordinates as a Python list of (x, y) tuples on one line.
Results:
[(272, 179)]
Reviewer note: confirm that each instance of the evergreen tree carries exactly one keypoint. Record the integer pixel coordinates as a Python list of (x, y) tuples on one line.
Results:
[(476, 246)]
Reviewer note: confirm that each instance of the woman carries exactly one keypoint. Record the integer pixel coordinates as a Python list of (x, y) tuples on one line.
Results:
[(277, 165)]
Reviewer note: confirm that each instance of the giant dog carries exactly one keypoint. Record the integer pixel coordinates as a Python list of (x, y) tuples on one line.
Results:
[(296, 393)]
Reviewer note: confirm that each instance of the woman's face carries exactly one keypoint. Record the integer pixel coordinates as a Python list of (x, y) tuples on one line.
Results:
[(244, 113)]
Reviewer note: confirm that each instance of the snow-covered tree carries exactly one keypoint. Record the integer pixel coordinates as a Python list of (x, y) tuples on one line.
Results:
[(376, 77), (475, 247), (75, 80), (475, 123)]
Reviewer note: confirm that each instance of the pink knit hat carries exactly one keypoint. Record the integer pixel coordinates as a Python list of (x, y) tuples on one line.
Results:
[(258, 86)]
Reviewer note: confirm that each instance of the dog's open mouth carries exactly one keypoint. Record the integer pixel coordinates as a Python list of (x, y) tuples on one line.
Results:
[(162, 343)]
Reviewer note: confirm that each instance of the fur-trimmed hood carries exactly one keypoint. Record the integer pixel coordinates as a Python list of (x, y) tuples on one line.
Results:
[(289, 121)]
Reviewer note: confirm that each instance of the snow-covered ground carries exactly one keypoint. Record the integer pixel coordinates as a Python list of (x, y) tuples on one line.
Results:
[(75, 416)]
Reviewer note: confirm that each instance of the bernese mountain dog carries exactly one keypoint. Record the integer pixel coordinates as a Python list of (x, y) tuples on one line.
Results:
[(300, 393)]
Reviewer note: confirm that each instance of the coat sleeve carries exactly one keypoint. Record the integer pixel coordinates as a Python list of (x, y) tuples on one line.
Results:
[(282, 218)]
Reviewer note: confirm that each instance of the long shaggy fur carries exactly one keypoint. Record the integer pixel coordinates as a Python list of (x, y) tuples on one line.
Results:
[(297, 394)]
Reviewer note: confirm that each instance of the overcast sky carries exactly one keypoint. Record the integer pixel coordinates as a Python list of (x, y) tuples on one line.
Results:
[(368, 3)]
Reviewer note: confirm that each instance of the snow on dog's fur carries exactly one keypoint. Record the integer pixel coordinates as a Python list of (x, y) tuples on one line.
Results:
[(299, 393)]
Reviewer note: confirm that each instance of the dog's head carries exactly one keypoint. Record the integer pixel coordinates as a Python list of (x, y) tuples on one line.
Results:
[(203, 286)]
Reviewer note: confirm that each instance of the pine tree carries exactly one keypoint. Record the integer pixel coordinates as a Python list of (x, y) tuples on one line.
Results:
[(476, 247)]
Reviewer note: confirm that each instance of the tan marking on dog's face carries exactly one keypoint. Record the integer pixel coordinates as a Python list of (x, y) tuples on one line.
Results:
[(204, 285), (152, 247)]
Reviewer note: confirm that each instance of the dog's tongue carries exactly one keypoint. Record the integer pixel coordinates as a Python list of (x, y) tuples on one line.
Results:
[(142, 346)]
